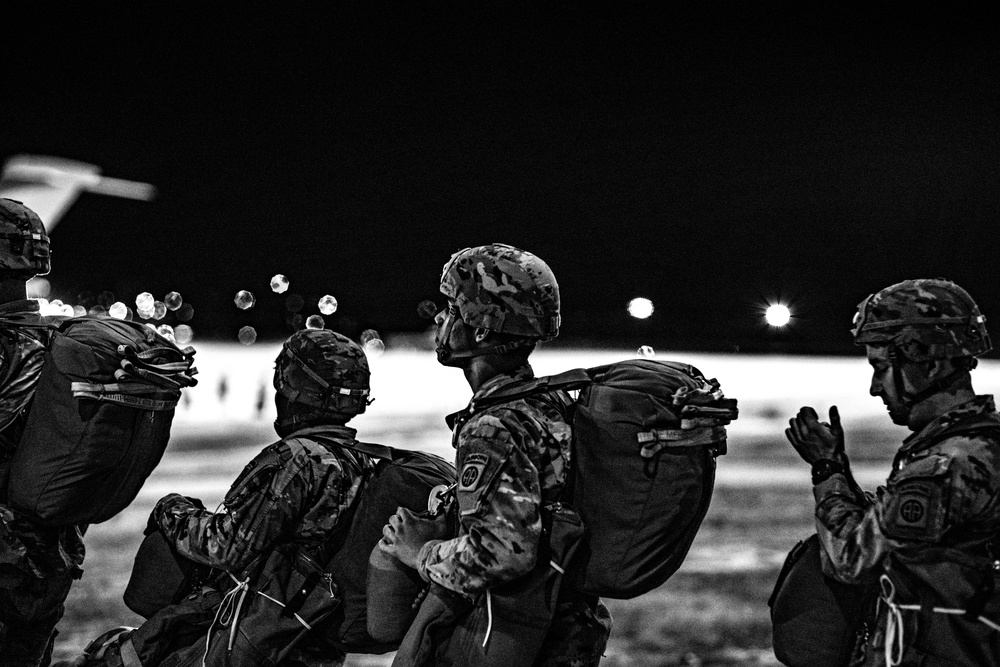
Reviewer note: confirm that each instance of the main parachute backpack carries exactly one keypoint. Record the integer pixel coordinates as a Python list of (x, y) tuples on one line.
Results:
[(645, 438), (99, 421)]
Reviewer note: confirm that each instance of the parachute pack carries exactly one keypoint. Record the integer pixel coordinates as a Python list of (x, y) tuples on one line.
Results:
[(99, 420), (645, 438), (402, 478)]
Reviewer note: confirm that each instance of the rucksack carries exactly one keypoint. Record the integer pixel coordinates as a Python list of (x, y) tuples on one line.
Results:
[(99, 420), (401, 478), (646, 434)]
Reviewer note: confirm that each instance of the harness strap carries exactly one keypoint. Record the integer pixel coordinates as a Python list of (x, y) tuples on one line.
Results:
[(895, 628), (128, 654)]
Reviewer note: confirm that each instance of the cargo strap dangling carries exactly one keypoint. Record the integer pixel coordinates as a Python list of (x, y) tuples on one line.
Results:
[(228, 614)]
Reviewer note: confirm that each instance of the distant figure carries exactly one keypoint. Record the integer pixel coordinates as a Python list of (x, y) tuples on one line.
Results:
[(223, 389), (37, 564), (931, 536), (261, 401), (488, 581)]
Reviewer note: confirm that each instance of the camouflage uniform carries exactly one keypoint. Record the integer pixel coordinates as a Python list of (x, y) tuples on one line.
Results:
[(37, 564), (941, 494), (512, 461), (294, 490), (930, 533)]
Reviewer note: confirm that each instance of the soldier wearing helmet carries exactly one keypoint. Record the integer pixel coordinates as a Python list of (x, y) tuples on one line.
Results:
[(37, 564), (929, 536), (512, 461), (298, 489)]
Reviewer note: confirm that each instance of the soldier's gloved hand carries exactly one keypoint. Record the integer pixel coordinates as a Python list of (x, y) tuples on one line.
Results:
[(153, 524), (815, 440), (407, 532)]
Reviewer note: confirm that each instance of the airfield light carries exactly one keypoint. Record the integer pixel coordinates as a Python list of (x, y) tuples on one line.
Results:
[(173, 300), (777, 315), (244, 299), (328, 305), (247, 335), (183, 334), (279, 284), (640, 308), (38, 287), (118, 310)]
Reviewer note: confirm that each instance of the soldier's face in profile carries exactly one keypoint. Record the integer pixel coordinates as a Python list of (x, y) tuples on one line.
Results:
[(451, 335), (883, 384)]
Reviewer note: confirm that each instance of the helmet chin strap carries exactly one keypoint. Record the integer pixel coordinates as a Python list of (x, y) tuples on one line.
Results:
[(910, 399), (445, 353)]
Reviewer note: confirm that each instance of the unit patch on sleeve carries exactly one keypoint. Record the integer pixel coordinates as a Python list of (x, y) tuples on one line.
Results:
[(472, 471)]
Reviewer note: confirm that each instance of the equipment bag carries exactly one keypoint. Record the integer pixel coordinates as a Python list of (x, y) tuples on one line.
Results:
[(161, 576), (645, 437), (817, 621), (378, 593), (99, 421)]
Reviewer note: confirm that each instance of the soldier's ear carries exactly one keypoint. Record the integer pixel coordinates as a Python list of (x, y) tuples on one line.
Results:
[(481, 334)]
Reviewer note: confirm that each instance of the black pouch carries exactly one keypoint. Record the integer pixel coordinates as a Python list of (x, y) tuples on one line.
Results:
[(160, 576), (817, 621), (507, 625)]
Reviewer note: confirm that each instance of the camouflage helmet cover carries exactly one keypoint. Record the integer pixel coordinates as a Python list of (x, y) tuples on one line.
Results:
[(924, 319), (504, 289), (324, 370), (24, 245)]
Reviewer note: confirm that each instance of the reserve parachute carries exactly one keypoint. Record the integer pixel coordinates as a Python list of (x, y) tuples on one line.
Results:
[(645, 438)]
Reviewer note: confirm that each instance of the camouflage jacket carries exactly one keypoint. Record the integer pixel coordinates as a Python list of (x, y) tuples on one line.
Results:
[(34, 549), (513, 460), (294, 490), (941, 493), (938, 513)]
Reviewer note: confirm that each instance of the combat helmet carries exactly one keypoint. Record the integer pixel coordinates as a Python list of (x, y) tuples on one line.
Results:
[(324, 374), (24, 245), (503, 289), (922, 320)]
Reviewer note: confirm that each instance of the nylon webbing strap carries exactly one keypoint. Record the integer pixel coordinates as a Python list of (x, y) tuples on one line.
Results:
[(122, 394), (128, 654), (653, 442), (370, 448), (577, 378)]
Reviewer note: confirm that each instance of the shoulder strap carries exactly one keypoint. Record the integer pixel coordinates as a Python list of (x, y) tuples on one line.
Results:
[(578, 378), (990, 423)]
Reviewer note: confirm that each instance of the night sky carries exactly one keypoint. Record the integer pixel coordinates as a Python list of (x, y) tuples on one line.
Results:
[(710, 159)]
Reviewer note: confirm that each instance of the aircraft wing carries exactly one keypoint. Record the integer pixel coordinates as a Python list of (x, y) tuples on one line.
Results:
[(49, 185)]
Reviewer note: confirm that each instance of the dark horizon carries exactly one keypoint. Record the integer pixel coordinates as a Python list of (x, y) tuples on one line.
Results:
[(711, 159)]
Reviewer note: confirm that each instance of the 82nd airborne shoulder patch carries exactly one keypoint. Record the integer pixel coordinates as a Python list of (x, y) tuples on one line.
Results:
[(472, 471)]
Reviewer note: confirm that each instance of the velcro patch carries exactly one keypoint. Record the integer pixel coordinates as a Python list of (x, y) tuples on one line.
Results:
[(472, 472)]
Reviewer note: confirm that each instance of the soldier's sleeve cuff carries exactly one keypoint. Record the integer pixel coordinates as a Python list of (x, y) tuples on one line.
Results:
[(422, 557), (834, 485)]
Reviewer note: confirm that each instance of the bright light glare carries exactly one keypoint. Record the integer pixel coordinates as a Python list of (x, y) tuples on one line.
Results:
[(777, 315), (640, 308)]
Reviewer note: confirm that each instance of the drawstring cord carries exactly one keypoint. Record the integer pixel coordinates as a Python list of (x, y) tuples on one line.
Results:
[(226, 613), (893, 624), (489, 617)]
